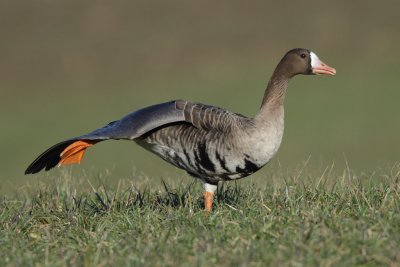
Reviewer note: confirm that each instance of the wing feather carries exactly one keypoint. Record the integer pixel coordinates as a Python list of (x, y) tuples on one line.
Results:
[(147, 119), (135, 125)]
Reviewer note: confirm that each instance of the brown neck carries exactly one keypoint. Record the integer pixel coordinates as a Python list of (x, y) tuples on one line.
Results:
[(275, 93)]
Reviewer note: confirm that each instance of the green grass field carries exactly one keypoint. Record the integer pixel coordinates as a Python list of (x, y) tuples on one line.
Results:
[(297, 220)]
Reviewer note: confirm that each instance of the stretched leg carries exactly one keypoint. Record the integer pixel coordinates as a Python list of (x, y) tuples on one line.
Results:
[(209, 195)]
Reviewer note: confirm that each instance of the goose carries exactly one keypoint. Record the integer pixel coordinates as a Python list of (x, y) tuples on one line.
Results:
[(210, 143)]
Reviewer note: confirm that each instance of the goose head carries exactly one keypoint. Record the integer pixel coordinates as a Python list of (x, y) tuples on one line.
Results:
[(304, 61)]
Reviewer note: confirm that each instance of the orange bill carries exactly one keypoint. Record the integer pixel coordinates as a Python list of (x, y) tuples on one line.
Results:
[(319, 67)]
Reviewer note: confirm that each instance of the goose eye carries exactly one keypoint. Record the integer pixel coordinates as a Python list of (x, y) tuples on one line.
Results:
[(303, 55)]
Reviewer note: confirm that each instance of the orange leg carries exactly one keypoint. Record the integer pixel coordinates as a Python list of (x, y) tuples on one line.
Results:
[(209, 195), (208, 200)]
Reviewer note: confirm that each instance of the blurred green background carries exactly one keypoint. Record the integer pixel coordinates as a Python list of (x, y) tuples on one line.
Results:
[(68, 67)]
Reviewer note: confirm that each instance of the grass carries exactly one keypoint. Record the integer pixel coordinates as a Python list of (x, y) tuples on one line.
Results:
[(331, 220)]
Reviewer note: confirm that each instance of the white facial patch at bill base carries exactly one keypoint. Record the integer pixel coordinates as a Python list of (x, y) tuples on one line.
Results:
[(315, 61)]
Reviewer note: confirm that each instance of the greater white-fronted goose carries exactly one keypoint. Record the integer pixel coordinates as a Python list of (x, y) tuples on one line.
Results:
[(210, 143)]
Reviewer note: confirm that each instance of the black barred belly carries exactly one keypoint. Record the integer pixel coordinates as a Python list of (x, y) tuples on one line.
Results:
[(211, 165)]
